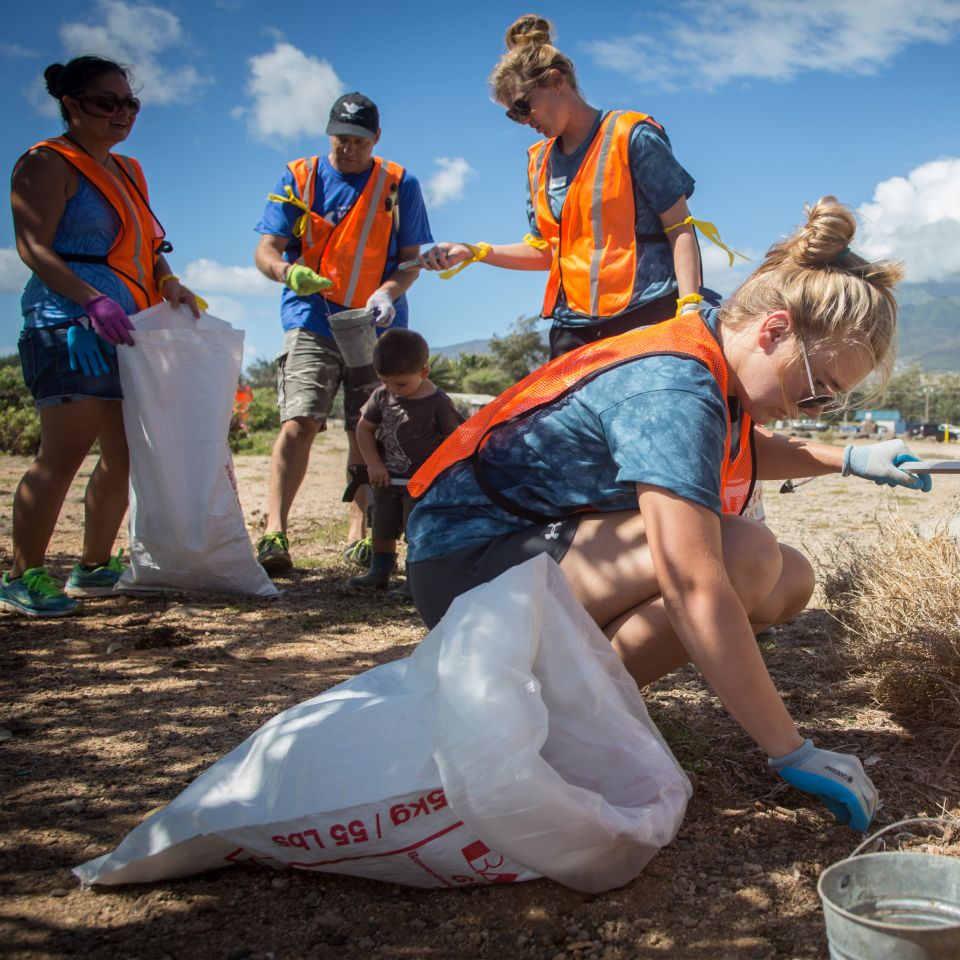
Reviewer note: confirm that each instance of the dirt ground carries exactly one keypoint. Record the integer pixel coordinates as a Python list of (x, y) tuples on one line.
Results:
[(114, 711)]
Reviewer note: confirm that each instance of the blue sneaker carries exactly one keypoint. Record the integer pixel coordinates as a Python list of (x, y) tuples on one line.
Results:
[(98, 582), (36, 594)]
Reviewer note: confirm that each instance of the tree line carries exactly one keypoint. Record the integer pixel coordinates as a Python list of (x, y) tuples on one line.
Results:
[(920, 397)]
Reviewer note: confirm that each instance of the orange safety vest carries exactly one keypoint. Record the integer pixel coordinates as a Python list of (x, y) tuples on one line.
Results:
[(133, 255), (353, 252), (686, 336), (594, 244)]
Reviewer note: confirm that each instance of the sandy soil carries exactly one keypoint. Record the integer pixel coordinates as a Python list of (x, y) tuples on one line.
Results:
[(113, 712)]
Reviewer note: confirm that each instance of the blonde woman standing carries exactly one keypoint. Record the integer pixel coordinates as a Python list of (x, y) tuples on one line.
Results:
[(606, 203)]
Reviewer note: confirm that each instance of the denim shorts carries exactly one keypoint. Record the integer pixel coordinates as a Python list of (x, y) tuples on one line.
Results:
[(310, 371), (47, 374), (437, 582)]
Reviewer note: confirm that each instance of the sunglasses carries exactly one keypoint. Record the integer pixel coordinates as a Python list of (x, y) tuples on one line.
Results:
[(519, 112), (110, 104), (815, 399)]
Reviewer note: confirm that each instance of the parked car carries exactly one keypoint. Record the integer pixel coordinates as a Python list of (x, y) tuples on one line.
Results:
[(919, 430)]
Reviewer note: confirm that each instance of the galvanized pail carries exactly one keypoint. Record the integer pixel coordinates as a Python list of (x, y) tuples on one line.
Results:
[(355, 336), (892, 906)]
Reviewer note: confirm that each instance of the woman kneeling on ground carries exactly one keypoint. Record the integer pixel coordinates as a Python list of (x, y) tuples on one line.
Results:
[(629, 460), (85, 228)]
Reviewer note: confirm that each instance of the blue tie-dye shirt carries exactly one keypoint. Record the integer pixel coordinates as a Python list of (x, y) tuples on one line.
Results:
[(658, 420), (89, 225), (659, 181)]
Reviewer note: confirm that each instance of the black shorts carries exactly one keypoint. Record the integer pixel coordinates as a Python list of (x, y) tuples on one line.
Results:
[(564, 339), (437, 582), (389, 512)]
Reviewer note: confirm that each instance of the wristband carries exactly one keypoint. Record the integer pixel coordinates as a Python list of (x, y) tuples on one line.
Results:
[(479, 252), (690, 300), (165, 278)]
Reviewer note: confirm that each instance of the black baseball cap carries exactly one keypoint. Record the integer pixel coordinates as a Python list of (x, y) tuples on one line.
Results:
[(353, 115)]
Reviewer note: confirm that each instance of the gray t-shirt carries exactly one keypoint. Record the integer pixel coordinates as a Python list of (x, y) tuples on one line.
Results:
[(408, 431)]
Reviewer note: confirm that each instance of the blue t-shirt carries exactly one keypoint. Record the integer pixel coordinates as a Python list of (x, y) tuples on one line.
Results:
[(89, 225), (658, 183), (334, 195), (658, 420)]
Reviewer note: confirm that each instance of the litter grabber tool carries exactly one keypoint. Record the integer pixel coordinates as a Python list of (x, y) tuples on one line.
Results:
[(359, 477), (932, 466), (790, 485), (905, 462), (479, 251)]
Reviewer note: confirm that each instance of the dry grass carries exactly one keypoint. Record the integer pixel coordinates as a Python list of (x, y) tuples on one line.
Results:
[(898, 599)]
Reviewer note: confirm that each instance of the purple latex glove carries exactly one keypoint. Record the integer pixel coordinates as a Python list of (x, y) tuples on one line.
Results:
[(109, 320)]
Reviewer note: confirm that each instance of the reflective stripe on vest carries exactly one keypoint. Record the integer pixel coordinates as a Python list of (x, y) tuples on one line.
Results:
[(595, 243), (353, 253), (133, 254), (686, 336)]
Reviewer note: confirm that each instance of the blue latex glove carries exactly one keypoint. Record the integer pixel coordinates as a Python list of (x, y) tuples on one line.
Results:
[(879, 462), (836, 778), (86, 351)]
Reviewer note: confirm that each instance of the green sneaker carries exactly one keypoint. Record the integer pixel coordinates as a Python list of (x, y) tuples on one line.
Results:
[(273, 552), (360, 551), (98, 582), (36, 594)]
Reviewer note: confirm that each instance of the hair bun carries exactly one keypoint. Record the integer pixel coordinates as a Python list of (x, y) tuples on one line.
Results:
[(52, 77), (827, 233), (529, 29)]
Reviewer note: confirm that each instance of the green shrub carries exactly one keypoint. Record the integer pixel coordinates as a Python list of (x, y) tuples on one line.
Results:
[(19, 420)]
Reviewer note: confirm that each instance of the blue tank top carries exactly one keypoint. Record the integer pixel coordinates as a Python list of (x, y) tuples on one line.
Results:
[(89, 225)]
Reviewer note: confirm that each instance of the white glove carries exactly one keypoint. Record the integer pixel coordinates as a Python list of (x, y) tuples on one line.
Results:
[(880, 462), (382, 306)]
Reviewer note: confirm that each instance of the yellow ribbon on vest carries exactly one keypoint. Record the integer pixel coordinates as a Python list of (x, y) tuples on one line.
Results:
[(709, 230), (300, 224), (479, 251)]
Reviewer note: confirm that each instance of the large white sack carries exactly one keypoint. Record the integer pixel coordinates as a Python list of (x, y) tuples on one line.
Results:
[(186, 523), (511, 743)]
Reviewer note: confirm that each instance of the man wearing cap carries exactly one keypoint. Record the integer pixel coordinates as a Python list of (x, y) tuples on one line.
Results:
[(333, 232)]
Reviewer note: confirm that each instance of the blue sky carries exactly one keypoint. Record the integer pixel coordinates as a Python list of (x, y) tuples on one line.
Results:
[(769, 103)]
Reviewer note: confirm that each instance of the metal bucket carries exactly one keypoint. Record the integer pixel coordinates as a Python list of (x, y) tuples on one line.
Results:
[(355, 336), (892, 906)]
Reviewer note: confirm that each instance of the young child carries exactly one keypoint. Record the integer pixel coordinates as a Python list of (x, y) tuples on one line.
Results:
[(403, 422)]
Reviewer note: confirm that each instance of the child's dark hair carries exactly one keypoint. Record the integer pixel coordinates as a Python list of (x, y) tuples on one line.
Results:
[(67, 80), (400, 351)]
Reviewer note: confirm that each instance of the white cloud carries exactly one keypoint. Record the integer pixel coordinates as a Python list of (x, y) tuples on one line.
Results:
[(15, 51), (209, 276), (916, 219), (227, 309), (718, 275), (448, 182), (144, 36), (41, 101), (291, 94), (711, 42), (13, 271)]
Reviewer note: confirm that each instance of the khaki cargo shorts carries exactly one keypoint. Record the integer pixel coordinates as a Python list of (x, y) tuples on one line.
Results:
[(310, 371)]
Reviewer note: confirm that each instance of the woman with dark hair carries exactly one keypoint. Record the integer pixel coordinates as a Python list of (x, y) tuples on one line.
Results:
[(84, 226)]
